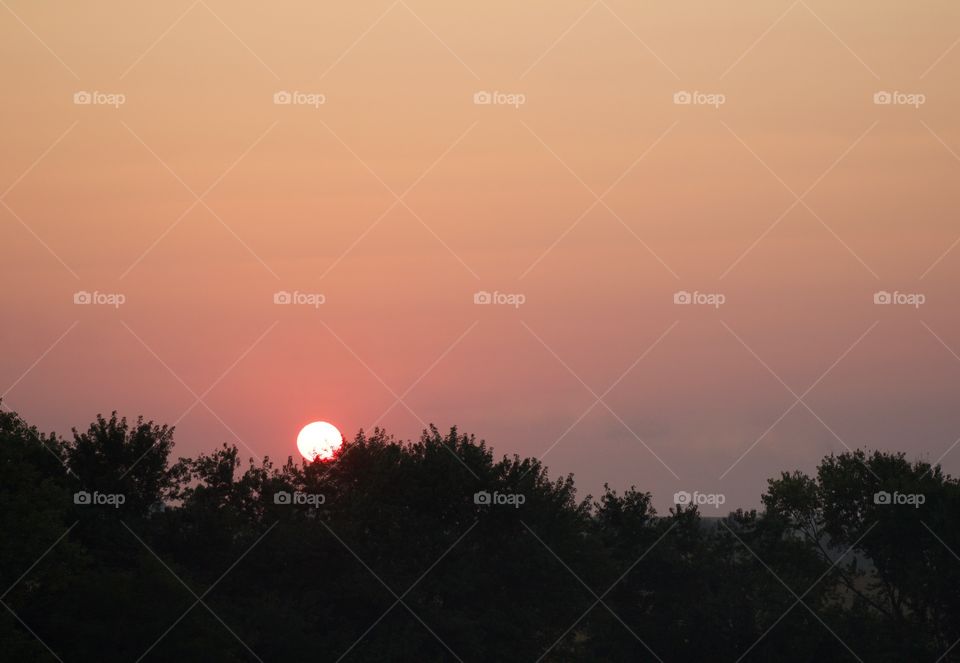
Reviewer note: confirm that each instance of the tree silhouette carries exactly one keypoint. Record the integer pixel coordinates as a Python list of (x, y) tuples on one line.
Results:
[(435, 550)]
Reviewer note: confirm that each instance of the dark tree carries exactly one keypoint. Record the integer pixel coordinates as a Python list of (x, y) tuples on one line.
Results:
[(434, 550)]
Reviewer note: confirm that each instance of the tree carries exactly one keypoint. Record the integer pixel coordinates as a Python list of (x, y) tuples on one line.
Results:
[(34, 499), (112, 457), (899, 518), (434, 548)]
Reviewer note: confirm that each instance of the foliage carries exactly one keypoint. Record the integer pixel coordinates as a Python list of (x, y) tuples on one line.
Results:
[(211, 558)]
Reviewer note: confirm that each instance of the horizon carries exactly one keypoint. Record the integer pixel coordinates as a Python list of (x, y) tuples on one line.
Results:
[(710, 505)]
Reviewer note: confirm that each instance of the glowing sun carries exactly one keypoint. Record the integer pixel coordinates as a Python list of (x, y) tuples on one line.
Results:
[(319, 440)]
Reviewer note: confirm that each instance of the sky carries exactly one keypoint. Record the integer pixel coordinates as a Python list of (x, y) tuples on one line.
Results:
[(720, 240)]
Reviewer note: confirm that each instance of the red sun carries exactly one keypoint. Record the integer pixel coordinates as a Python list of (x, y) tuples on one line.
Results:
[(319, 440)]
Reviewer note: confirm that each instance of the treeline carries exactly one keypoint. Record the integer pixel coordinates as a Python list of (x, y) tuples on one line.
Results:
[(110, 550)]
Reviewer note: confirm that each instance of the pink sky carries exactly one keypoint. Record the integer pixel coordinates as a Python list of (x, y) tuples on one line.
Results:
[(795, 196)]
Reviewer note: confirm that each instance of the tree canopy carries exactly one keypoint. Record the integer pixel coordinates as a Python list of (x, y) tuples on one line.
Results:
[(436, 550)]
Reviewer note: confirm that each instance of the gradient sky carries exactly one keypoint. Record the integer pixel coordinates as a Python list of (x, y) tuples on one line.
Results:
[(597, 199)]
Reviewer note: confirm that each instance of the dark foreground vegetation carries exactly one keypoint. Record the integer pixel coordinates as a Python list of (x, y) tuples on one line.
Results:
[(214, 559)]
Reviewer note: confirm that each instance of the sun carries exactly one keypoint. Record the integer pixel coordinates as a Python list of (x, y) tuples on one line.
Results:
[(319, 440)]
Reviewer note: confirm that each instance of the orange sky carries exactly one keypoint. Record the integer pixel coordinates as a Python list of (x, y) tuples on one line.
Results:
[(597, 199)]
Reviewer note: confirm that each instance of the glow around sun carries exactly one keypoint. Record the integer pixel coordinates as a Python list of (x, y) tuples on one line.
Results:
[(319, 440)]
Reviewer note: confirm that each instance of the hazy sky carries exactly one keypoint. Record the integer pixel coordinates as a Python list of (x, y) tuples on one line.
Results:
[(788, 186)]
